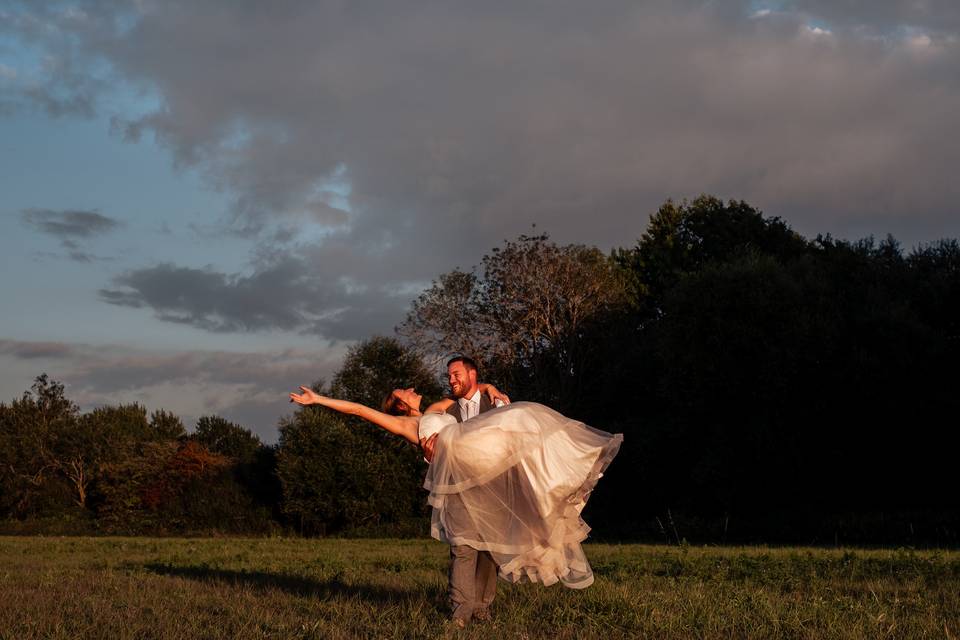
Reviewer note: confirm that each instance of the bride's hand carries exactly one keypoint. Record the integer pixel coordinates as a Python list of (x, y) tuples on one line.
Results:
[(308, 397), (428, 446)]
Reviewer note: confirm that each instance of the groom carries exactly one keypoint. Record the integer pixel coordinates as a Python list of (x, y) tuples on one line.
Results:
[(472, 578)]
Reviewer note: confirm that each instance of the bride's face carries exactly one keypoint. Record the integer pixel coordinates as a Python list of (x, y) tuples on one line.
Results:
[(409, 400)]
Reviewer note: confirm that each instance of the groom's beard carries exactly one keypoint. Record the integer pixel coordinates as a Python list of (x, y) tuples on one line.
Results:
[(459, 390), (464, 390)]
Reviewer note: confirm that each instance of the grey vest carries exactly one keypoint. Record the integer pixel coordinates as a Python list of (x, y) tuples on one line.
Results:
[(485, 405)]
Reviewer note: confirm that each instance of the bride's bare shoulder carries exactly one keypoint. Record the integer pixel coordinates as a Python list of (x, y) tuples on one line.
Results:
[(440, 406)]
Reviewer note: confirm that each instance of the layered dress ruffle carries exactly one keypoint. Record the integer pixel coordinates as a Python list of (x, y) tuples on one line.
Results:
[(513, 482)]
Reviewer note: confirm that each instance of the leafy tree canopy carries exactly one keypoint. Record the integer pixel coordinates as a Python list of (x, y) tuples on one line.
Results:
[(376, 366), (226, 438)]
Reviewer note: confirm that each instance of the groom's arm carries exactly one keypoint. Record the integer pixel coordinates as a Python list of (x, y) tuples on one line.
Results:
[(497, 397), (427, 445)]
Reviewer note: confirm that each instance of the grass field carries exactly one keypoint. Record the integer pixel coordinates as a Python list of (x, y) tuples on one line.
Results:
[(292, 588)]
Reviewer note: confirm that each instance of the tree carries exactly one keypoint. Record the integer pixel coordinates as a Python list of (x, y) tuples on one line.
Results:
[(103, 435), (336, 478), (122, 421), (166, 486), (733, 348), (79, 453), (226, 438), (378, 365), (254, 464), (937, 285), (164, 425), (448, 318), (46, 442), (525, 318), (340, 473), (682, 238), (541, 300), (38, 441)]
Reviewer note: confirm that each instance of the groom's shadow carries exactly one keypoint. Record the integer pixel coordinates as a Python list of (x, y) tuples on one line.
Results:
[(297, 585)]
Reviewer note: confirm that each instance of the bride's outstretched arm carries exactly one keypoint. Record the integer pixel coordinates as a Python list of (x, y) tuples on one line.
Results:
[(404, 426)]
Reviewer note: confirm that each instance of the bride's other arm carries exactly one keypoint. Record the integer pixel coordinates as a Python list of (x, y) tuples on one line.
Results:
[(403, 426)]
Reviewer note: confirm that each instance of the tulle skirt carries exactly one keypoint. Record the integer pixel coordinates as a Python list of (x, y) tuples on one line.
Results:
[(513, 482)]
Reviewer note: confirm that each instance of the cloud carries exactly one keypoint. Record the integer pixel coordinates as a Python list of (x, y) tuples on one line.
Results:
[(62, 84), (36, 350), (885, 16), (389, 144), (85, 258), (247, 387), (69, 223), (282, 294), (71, 226), (77, 254)]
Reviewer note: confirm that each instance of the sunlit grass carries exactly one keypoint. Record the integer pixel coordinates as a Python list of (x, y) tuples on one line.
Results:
[(295, 588)]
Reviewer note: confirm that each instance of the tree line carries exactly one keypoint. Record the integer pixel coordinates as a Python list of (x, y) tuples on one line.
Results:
[(770, 388)]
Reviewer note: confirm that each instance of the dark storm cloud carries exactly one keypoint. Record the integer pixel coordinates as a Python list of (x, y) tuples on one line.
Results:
[(419, 136), (281, 295), (69, 223), (216, 301)]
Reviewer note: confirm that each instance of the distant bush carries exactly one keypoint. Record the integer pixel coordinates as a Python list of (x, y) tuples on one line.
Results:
[(172, 487)]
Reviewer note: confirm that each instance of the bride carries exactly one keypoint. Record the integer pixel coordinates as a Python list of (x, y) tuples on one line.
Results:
[(518, 475)]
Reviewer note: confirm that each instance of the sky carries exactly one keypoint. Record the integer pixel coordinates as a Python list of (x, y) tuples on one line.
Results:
[(205, 203)]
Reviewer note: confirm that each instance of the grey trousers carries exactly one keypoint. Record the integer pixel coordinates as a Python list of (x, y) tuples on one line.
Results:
[(472, 580)]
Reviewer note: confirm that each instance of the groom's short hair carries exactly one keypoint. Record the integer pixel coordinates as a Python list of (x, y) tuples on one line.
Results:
[(467, 361)]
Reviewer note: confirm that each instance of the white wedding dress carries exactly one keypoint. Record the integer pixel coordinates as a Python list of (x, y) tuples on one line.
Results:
[(513, 481)]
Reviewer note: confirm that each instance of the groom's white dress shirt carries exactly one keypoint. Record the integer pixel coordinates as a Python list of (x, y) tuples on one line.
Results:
[(470, 407)]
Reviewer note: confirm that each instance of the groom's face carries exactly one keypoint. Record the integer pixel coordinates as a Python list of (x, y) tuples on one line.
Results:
[(462, 379)]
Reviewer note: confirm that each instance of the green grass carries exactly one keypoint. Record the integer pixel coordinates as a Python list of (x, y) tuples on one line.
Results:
[(294, 588)]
